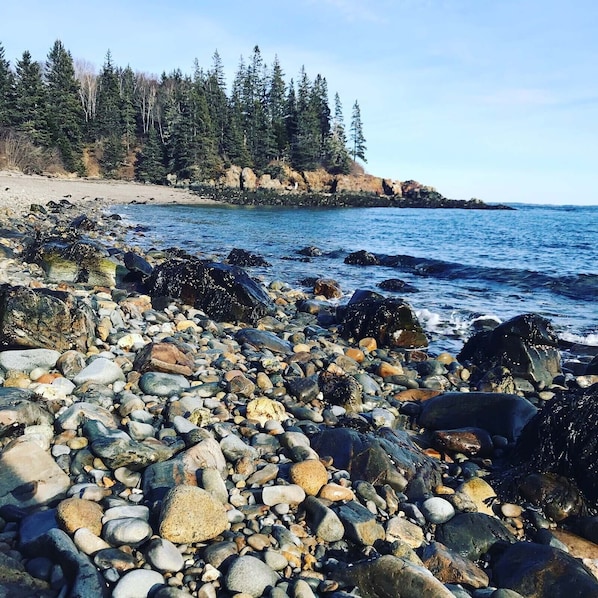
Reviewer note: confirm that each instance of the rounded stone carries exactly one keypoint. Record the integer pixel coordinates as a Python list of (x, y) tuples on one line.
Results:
[(137, 584), (74, 513), (437, 510), (119, 532), (164, 556), (311, 475), (291, 494), (163, 385), (87, 542), (190, 514), (336, 492), (100, 371), (249, 575)]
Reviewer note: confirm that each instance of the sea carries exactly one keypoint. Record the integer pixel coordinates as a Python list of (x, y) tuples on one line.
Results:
[(464, 265)]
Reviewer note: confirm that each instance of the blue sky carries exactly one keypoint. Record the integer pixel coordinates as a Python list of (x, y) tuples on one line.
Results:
[(496, 99)]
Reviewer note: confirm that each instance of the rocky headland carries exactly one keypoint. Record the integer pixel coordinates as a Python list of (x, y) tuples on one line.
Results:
[(170, 427)]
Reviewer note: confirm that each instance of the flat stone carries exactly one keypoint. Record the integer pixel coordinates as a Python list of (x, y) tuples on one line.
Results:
[(251, 576), (190, 514), (450, 567), (29, 476), (26, 360), (78, 413), (99, 371), (324, 522), (88, 542), (399, 528), (163, 385), (360, 524), (291, 494)]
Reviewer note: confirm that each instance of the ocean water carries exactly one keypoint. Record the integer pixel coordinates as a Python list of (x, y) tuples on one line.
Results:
[(465, 264)]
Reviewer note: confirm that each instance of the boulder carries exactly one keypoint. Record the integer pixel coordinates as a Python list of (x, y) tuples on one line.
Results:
[(164, 357), (232, 177), (223, 292), (358, 184), (43, 318), (245, 259), (501, 414), (248, 179), (386, 457), (70, 259), (362, 258), (526, 345), (390, 321)]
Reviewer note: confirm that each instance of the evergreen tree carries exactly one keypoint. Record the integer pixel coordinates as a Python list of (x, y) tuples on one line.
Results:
[(305, 146), (64, 108), (31, 104), (337, 156), (278, 111), (7, 91), (149, 166), (108, 120), (358, 147), (128, 113), (215, 91), (319, 100)]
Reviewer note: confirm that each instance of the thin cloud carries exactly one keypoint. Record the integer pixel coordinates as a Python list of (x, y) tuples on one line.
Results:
[(354, 10)]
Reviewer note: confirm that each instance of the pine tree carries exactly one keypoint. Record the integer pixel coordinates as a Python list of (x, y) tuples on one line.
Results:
[(278, 111), (305, 146), (358, 147), (31, 103), (149, 166), (108, 120), (215, 91), (64, 108), (128, 113), (7, 91), (337, 156)]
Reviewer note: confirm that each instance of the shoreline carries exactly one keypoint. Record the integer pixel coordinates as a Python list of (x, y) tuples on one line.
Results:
[(180, 450)]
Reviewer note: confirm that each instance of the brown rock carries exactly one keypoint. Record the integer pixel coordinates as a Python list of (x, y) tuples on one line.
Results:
[(164, 357), (336, 493), (248, 179), (318, 181), (386, 369), (417, 394), (327, 287), (359, 184), (368, 344), (75, 513), (481, 494), (311, 475), (190, 514), (469, 441), (398, 528), (355, 354), (451, 567)]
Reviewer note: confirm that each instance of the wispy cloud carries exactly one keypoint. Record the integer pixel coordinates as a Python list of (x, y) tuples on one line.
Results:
[(354, 10)]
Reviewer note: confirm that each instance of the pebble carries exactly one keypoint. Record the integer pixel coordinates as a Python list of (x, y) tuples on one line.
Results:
[(437, 510), (292, 494), (164, 556), (249, 575), (137, 584), (130, 531)]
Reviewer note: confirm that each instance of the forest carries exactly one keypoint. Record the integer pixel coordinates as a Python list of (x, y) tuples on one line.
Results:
[(62, 114)]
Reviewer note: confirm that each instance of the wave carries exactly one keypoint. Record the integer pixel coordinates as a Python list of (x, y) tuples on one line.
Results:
[(575, 286)]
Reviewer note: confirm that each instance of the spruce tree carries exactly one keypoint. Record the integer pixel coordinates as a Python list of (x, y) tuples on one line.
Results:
[(7, 91), (278, 112), (305, 150), (108, 120), (128, 112), (149, 165), (337, 156), (31, 102), (64, 108), (358, 147)]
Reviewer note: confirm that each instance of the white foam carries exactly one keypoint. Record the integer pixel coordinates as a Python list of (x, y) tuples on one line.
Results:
[(590, 340)]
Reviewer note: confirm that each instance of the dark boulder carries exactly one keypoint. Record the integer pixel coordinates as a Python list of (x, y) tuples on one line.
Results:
[(390, 321), (246, 259), (562, 439), (385, 457), (137, 265), (42, 318), (310, 251), (541, 571), (499, 414), (224, 292), (341, 389), (526, 345), (397, 285), (592, 368), (473, 534), (328, 288), (362, 258), (263, 339), (83, 222)]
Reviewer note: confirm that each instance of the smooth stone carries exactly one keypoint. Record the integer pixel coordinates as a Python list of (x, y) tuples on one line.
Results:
[(137, 584), (250, 575), (27, 360), (480, 493), (134, 532), (437, 510), (164, 556), (264, 475), (99, 371), (311, 475), (114, 560), (234, 448), (74, 513), (263, 339), (163, 385), (336, 493), (88, 542), (292, 494), (78, 413), (450, 567), (323, 521), (399, 528), (126, 512), (140, 431), (212, 482), (190, 514)]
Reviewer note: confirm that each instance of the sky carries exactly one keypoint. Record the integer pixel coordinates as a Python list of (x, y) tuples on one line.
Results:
[(494, 99)]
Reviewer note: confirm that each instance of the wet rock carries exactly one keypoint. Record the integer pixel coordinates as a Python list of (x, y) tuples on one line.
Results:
[(555, 494), (310, 251), (42, 318), (397, 285), (526, 345), (341, 390), (473, 534), (390, 321), (540, 571), (480, 492), (450, 567), (501, 414), (137, 265), (245, 259), (469, 441), (224, 292), (390, 577), (328, 288), (190, 514), (561, 440), (362, 258)]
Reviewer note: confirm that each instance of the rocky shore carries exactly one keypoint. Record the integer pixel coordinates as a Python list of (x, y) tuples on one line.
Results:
[(169, 427)]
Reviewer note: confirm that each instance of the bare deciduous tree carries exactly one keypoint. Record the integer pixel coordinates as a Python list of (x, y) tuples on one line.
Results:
[(87, 77), (146, 93)]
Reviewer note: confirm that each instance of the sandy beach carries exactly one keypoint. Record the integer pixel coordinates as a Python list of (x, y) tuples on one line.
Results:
[(19, 191)]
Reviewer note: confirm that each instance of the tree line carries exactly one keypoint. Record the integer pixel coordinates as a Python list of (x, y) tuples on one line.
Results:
[(191, 126)]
